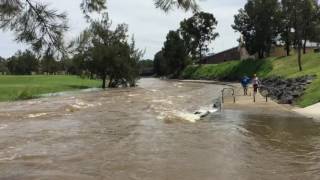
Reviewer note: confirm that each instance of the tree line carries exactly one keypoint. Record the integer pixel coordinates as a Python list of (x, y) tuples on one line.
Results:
[(186, 45), (27, 63), (291, 23)]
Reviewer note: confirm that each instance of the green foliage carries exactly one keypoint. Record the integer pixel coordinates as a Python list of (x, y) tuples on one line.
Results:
[(33, 23), (258, 22), (160, 64), (146, 67), (89, 6), (192, 38), (108, 53), (3, 66), (303, 17), (175, 54), (147, 63), (36, 24), (25, 87), (285, 67), (198, 32), (24, 94), (49, 64), (230, 71), (167, 5), (23, 63)]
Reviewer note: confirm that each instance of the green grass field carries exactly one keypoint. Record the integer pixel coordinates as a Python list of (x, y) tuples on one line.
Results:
[(27, 87), (282, 66)]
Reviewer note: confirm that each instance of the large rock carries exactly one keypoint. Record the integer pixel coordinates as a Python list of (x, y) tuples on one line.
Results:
[(286, 91)]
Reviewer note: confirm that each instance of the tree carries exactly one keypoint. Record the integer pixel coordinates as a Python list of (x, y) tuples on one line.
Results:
[(286, 25), (146, 63), (175, 53), (258, 23), (303, 14), (159, 64), (36, 24), (3, 66), (198, 32), (23, 63), (33, 23), (315, 33), (49, 64), (167, 5), (311, 21), (108, 54)]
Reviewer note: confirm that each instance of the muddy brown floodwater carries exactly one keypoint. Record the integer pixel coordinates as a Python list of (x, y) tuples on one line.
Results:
[(141, 133)]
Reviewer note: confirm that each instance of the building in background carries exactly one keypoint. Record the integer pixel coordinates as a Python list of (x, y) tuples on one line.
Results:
[(240, 53)]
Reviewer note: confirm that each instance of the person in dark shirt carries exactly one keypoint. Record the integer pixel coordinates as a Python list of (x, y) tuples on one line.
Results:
[(245, 83)]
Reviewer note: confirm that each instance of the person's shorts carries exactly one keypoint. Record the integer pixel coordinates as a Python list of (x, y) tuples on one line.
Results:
[(255, 87)]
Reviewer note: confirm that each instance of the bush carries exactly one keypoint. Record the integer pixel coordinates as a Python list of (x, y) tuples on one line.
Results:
[(25, 94)]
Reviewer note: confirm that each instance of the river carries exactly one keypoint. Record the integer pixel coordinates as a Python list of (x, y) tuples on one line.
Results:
[(148, 133)]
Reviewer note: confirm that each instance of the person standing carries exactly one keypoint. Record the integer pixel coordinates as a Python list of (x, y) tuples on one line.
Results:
[(245, 82), (256, 83)]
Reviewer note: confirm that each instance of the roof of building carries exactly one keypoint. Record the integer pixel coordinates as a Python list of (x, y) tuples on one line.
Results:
[(211, 55)]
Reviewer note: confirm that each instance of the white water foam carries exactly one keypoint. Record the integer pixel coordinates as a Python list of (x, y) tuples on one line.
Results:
[(165, 101), (3, 126), (175, 116), (36, 115)]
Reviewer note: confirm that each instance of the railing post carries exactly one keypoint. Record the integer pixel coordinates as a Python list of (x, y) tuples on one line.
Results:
[(233, 95), (222, 98)]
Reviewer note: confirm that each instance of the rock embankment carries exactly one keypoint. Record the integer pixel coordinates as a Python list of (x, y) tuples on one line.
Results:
[(285, 91)]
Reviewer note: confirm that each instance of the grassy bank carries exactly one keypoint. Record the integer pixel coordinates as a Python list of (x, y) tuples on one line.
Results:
[(285, 67), (26, 87)]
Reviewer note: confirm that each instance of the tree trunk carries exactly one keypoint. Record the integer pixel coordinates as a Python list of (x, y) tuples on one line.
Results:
[(261, 54), (288, 50), (104, 78), (299, 55), (110, 85), (91, 75), (200, 54), (305, 46), (288, 42)]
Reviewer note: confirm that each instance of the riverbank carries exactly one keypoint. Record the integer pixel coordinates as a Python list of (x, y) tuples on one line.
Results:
[(261, 105), (285, 67)]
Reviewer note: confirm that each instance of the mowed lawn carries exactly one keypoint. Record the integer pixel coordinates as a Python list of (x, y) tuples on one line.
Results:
[(26, 87)]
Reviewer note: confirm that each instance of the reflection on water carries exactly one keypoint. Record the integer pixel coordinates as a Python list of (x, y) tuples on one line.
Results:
[(139, 134)]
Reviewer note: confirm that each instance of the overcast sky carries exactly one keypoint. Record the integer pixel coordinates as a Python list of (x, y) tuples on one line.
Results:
[(148, 24)]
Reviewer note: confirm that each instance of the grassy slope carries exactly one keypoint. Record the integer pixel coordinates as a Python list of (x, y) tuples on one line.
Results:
[(284, 66), (24, 87), (287, 67)]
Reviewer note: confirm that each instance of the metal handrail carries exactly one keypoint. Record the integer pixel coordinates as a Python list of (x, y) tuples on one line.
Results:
[(233, 94), (268, 90), (266, 95)]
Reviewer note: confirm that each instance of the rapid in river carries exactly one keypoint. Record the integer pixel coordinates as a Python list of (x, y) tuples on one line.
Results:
[(150, 132)]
